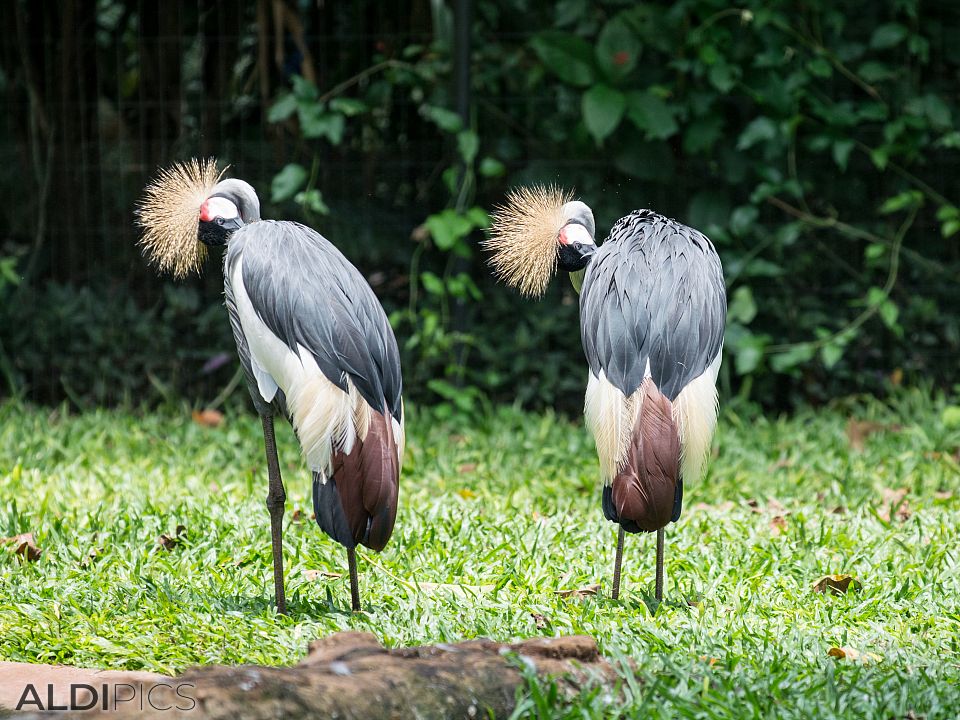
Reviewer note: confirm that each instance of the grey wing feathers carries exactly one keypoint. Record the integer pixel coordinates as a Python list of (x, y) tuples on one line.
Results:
[(307, 293), (654, 292)]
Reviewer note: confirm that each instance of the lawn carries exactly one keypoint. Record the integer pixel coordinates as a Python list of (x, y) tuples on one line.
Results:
[(507, 507)]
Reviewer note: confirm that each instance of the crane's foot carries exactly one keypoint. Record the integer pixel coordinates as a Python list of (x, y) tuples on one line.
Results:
[(658, 588), (616, 568), (354, 581)]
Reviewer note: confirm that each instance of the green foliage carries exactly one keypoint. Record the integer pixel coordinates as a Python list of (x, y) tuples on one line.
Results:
[(506, 504), (98, 347), (797, 138)]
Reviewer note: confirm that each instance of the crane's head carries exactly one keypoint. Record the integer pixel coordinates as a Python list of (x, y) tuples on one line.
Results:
[(539, 230), (231, 204), (187, 208)]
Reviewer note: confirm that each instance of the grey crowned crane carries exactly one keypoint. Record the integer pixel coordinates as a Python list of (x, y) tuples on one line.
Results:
[(652, 313), (314, 343)]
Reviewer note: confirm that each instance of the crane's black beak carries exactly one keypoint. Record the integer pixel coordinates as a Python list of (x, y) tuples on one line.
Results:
[(575, 256), (216, 232)]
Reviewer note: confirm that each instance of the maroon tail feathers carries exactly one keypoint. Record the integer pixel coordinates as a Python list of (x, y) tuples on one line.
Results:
[(643, 492), (358, 505)]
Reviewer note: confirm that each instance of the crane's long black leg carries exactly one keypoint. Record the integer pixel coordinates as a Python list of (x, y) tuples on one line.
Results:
[(354, 582), (616, 567), (276, 498), (658, 589)]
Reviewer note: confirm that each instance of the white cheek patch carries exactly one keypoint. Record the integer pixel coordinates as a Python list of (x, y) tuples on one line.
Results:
[(218, 207), (575, 233)]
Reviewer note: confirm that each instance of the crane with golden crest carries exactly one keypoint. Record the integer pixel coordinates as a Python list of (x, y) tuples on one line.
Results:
[(652, 313), (314, 343)]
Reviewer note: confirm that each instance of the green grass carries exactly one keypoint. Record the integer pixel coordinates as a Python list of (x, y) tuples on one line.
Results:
[(509, 501)]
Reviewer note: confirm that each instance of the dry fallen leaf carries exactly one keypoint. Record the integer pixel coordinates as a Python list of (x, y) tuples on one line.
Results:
[(778, 525), (852, 654), (314, 574), (208, 417), (540, 620), (894, 505), (297, 515), (859, 430), (839, 510), (168, 542), (467, 468), (24, 546), (837, 584), (943, 495), (578, 592)]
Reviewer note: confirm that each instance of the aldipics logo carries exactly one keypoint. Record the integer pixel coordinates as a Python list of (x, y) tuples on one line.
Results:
[(159, 696)]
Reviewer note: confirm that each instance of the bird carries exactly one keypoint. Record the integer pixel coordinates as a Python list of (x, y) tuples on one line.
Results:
[(652, 314), (314, 343)]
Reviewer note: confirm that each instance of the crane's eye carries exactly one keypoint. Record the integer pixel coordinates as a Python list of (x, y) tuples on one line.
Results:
[(220, 221)]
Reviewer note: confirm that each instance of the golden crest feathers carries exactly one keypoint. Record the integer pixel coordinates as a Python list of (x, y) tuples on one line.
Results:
[(523, 237), (169, 212)]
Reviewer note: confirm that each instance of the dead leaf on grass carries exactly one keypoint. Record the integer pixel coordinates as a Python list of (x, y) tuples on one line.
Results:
[(848, 653), (169, 542), (24, 546), (778, 525), (540, 620), (467, 468), (859, 430), (895, 505), (208, 417), (943, 495), (314, 574), (578, 592), (837, 584)]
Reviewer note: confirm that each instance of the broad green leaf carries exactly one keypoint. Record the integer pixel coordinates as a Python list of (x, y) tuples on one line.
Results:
[(796, 355), (467, 145), (432, 284), (651, 114), (874, 251), (478, 217), (950, 228), (950, 417), (760, 129), (491, 167), (316, 122), (348, 106), (723, 76), (284, 107), (603, 108), (906, 199), (841, 152), (742, 307), (617, 48), (819, 67), (742, 219), (887, 36), (313, 201), (304, 89), (889, 313), (570, 11), (875, 296), (287, 182), (446, 120), (830, 354), (447, 227), (568, 56)]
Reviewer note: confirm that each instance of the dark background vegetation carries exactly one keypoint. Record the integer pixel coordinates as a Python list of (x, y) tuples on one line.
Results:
[(815, 143)]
